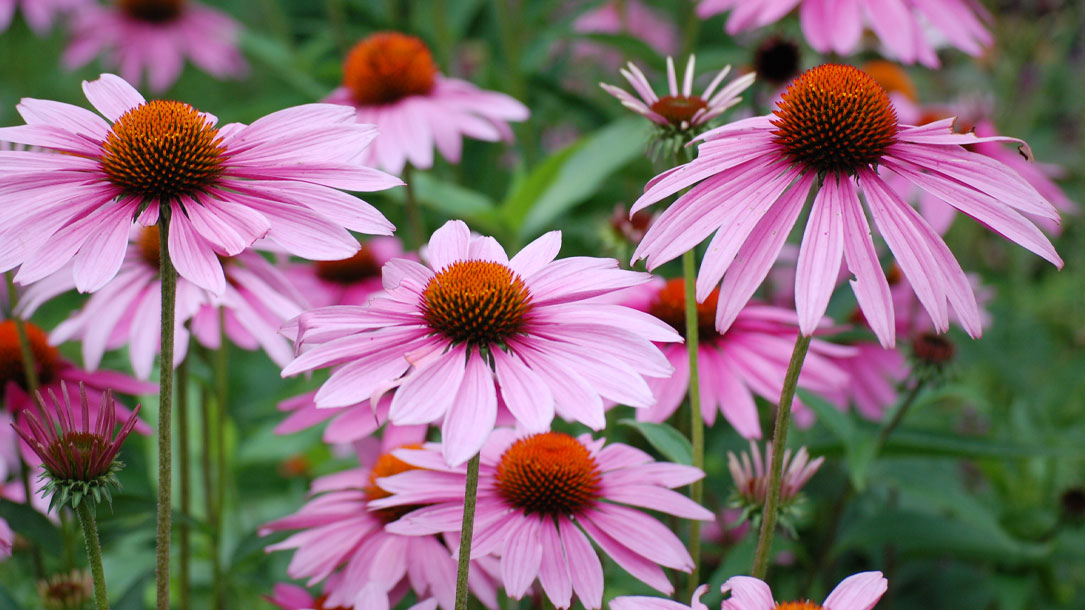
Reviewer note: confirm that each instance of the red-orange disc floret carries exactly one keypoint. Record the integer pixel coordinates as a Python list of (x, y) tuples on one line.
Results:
[(387, 67), (388, 465), (481, 303), (679, 110), (548, 474), (148, 244), (670, 306), (362, 265), (46, 357), (154, 11), (163, 150), (803, 605), (835, 120)]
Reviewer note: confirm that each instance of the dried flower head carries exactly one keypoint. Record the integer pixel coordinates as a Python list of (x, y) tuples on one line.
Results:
[(66, 591), (751, 476), (79, 459)]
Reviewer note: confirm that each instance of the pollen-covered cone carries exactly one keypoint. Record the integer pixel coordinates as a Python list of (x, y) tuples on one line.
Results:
[(471, 323), (224, 187)]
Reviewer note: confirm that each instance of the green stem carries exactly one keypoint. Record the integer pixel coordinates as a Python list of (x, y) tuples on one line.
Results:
[(168, 276), (897, 417), (696, 421), (509, 22), (467, 530), (94, 553), (779, 441), (221, 396), (207, 424), (337, 16), (416, 224), (690, 29), (439, 17), (186, 481)]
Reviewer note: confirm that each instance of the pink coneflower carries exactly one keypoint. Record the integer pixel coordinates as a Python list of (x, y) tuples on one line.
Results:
[(391, 81), (875, 372), (680, 110), (537, 493), (292, 597), (835, 125), (225, 187), (58, 376), (449, 334), (341, 530), (857, 592), (349, 281), (749, 358), (153, 38), (39, 14), (640, 602), (78, 455), (630, 17), (750, 474), (907, 28)]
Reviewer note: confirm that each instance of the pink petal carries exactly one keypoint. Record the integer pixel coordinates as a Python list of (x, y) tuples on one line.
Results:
[(472, 414), (819, 256), (870, 286), (584, 567), (857, 592), (112, 95), (747, 593), (427, 394)]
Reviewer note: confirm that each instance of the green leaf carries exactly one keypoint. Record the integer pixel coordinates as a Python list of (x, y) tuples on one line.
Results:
[(7, 602), (132, 598), (454, 201), (910, 441), (858, 446), (664, 439), (31, 524), (571, 176)]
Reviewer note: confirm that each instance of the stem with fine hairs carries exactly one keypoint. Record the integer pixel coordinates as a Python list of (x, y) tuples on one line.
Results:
[(467, 531), (168, 276), (696, 421)]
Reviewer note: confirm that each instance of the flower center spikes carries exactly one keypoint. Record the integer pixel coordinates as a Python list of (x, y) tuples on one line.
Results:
[(361, 266), (46, 357), (388, 465), (548, 474), (163, 151), (80, 456), (679, 110), (476, 302), (835, 120), (155, 11), (387, 67), (670, 306), (805, 605)]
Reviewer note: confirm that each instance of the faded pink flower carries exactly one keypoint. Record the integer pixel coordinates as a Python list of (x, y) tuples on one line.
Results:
[(909, 29), (391, 81), (153, 38), (225, 187), (538, 495), (835, 125), (293, 597), (39, 14), (450, 334), (350, 281)]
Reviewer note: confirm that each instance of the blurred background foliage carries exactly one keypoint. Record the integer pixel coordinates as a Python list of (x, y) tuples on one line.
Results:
[(978, 501)]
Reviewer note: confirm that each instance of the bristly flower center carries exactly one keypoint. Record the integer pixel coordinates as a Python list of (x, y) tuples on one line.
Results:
[(803, 605), (80, 456), (481, 303), (548, 474), (46, 357), (679, 110), (388, 465), (387, 67), (163, 151), (670, 306), (835, 120), (154, 11), (361, 266)]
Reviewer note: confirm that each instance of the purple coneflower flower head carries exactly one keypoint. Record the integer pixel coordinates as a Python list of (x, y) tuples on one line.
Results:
[(748, 359), (857, 592), (344, 542), (153, 38), (538, 495), (391, 81), (79, 456), (39, 14), (836, 126), (452, 334), (224, 187), (910, 30)]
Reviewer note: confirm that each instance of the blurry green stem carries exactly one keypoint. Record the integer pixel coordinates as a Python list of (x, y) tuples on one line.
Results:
[(779, 441), (168, 276), (416, 224), (337, 17), (696, 422), (439, 17), (690, 29), (222, 389), (208, 424), (94, 553), (467, 530), (898, 416), (186, 481), (506, 12)]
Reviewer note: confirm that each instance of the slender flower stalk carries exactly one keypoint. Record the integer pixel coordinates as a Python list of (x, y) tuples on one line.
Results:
[(221, 397), (165, 404), (467, 531), (416, 224), (94, 554), (183, 443), (779, 441), (696, 422)]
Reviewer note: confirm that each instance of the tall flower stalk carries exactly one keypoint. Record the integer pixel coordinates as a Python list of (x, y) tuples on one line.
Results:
[(467, 531), (165, 411), (696, 421)]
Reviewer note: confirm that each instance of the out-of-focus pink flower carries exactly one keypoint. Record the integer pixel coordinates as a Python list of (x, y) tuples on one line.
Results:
[(449, 334), (874, 372), (350, 281), (538, 495), (293, 597), (749, 358), (225, 187), (153, 38), (7, 539), (39, 14), (391, 81), (630, 17), (343, 536), (836, 126), (910, 30)]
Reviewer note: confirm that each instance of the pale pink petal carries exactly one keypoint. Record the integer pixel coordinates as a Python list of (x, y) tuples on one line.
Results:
[(747, 594), (820, 256), (857, 592), (472, 414)]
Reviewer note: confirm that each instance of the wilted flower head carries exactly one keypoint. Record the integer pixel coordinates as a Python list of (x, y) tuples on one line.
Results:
[(79, 458), (68, 591), (751, 476)]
